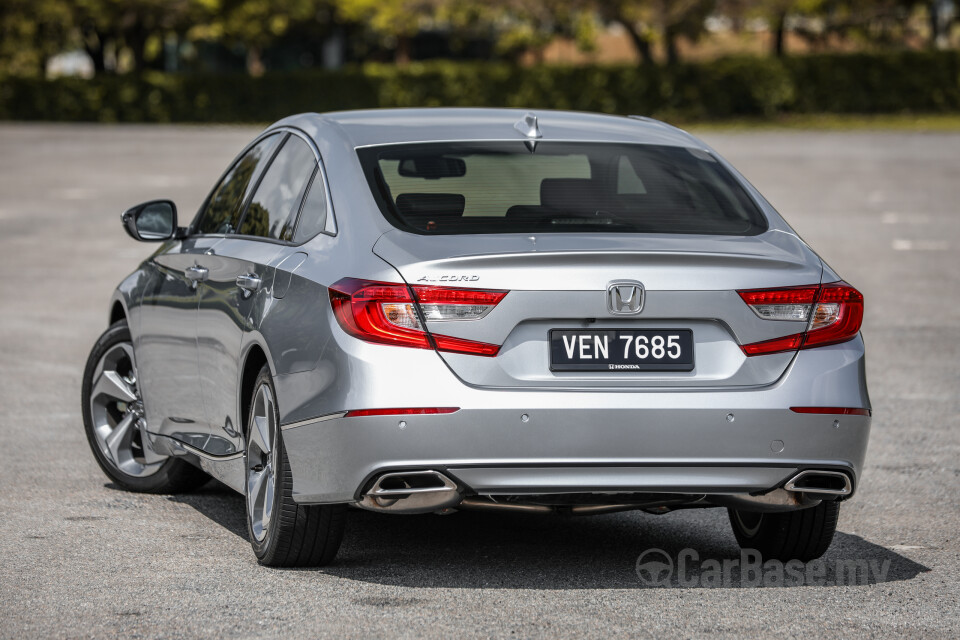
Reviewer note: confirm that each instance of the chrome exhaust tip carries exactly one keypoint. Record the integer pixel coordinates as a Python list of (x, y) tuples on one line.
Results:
[(832, 483), (411, 492)]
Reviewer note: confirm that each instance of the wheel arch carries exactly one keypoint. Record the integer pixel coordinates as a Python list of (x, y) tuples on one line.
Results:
[(255, 356), (117, 312), (126, 298)]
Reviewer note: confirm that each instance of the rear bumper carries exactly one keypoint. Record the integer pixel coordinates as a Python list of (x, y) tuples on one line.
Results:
[(713, 442), (492, 451)]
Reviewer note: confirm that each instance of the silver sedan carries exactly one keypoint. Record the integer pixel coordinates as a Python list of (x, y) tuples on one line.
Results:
[(421, 311)]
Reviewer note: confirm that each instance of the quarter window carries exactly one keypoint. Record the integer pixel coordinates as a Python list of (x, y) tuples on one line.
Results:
[(272, 213), (313, 217), (222, 212)]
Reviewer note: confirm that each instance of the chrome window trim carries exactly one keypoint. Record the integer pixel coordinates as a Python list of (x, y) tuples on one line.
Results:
[(191, 230), (330, 226), (518, 139), (245, 206)]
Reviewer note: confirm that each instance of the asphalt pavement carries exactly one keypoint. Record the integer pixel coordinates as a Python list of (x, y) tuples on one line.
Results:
[(81, 558)]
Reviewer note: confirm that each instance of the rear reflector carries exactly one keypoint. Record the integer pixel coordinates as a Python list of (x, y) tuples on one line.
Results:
[(387, 313), (834, 313), (422, 411), (841, 411)]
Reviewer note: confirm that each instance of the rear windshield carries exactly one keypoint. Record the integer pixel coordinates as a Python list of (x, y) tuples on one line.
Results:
[(519, 187)]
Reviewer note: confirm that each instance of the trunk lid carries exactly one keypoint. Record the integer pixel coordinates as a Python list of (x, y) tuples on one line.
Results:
[(559, 281)]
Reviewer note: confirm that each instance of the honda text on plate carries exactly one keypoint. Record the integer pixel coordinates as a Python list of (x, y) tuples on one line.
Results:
[(422, 311)]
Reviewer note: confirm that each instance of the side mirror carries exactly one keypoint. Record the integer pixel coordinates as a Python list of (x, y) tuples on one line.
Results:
[(152, 221)]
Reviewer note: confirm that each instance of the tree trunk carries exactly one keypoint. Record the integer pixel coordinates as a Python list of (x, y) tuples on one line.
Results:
[(670, 39), (93, 45), (402, 54), (779, 34), (136, 39), (254, 63), (39, 42), (640, 43)]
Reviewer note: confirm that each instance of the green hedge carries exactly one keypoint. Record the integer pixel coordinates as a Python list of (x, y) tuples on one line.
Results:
[(740, 86)]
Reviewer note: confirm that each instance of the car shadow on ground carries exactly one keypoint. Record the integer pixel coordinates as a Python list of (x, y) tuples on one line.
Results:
[(220, 503), (532, 551)]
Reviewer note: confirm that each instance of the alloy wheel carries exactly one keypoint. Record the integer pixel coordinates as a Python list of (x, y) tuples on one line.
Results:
[(262, 462), (119, 424)]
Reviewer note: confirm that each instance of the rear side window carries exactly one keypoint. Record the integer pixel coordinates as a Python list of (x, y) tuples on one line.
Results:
[(504, 187), (222, 212), (313, 216), (272, 212)]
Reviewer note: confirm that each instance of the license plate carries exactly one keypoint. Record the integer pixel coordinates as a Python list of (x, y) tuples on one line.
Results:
[(621, 350)]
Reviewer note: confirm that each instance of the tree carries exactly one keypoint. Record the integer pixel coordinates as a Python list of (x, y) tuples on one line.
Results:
[(392, 22), (648, 22), (31, 32), (529, 25), (683, 19), (254, 25), (114, 26)]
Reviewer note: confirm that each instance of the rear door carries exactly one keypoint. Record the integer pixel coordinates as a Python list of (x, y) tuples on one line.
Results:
[(240, 285)]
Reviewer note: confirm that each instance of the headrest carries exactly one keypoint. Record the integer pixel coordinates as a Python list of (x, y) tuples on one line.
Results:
[(432, 204), (568, 193)]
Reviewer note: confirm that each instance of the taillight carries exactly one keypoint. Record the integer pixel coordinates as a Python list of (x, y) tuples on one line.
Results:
[(837, 317), (777, 345), (834, 313), (386, 313), (781, 304)]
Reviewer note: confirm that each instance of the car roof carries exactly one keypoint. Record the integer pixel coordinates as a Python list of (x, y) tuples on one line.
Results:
[(399, 126)]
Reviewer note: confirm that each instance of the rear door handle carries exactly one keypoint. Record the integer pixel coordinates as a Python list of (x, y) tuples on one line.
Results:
[(249, 282)]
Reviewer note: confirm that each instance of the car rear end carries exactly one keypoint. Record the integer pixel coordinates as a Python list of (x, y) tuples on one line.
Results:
[(586, 326)]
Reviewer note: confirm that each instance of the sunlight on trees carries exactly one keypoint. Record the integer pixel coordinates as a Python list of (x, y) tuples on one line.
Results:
[(121, 36)]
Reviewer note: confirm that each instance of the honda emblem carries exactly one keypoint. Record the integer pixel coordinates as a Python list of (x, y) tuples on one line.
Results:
[(625, 297)]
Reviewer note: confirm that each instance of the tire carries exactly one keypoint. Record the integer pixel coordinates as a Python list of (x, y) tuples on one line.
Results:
[(794, 535), (114, 422), (282, 532)]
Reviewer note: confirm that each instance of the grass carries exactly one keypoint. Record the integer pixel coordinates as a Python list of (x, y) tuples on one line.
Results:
[(834, 122)]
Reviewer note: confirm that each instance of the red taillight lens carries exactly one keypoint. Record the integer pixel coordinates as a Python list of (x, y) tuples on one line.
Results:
[(837, 317), (781, 304), (834, 313), (449, 296), (361, 308), (777, 345), (387, 313)]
